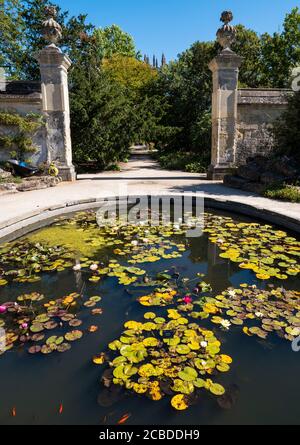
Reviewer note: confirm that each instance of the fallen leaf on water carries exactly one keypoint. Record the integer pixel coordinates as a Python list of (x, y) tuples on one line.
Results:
[(93, 329), (61, 408), (124, 419), (14, 412)]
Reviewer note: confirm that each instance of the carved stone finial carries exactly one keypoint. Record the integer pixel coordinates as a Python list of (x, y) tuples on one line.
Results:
[(227, 34), (52, 30)]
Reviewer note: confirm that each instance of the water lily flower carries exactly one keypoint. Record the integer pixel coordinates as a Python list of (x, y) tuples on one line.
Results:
[(232, 293), (220, 241), (204, 344), (3, 309), (94, 267), (259, 314), (77, 267), (146, 240), (176, 226), (196, 290), (187, 299), (24, 325), (134, 243), (226, 324)]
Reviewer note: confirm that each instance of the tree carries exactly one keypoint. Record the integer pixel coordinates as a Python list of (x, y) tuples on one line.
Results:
[(249, 46), (113, 40), (129, 72), (25, 37), (10, 33), (281, 53), (102, 117), (287, 129), (186, 86)]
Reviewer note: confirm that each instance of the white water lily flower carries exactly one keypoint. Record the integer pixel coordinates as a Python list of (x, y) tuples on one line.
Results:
[(232, 293), (220, 241), (134, 243), (203, 363), (226, 324), (146, 240), (204, 344), (259, 314), (77, 267), (94, 267)]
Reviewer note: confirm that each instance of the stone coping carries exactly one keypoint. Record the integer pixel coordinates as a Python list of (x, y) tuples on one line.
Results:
[(34, 98), (263, 96), (12, 229)]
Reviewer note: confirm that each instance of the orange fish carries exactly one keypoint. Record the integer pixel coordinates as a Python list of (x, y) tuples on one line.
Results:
[(14, 412), (124, 419), (61, 408)]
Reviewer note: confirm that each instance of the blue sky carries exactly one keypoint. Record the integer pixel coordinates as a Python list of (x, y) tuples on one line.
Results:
[(171, 26)]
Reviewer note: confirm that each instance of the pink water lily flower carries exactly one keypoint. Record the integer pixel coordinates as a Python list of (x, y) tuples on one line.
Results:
[(94, 267), (187, 299), (24, 325), (3, 309), (77, 267)]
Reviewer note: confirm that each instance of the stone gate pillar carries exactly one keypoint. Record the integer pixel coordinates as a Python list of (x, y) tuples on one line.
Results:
[(54, 67), (225, 69)]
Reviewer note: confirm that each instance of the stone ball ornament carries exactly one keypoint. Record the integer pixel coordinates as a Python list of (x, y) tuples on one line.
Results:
[(226, 35), (52, 31)]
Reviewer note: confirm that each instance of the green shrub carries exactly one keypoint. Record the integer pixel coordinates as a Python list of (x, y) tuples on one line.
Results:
[(189, 162), (283, 192)]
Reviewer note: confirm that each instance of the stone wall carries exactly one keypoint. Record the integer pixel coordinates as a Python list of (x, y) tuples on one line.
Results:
[(257, 111), (24, 98)]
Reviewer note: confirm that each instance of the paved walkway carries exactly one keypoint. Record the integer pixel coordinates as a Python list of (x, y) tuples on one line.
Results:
[(140, 176)]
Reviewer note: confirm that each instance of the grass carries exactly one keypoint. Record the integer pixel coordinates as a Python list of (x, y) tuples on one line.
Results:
[(283, 192)]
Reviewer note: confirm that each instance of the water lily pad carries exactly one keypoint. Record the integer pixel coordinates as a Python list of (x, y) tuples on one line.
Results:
[(183, 349), (73, 335), (188, 374), (179, 402), (37, 327), (217, 389), (37, 337), (183, 387), (97, 311), (63, 347), (46, 349), (50, 325), (96, 299), (99, 359), (34, 349), (150, 342), (150, 316), (75, 323)]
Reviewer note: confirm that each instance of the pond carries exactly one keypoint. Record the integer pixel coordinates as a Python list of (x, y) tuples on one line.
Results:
[(141, 325)]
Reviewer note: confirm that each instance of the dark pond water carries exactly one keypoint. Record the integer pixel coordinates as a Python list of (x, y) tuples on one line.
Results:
[(263, 381)]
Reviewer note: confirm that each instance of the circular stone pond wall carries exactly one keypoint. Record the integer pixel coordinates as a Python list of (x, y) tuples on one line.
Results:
[(140, 324)]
